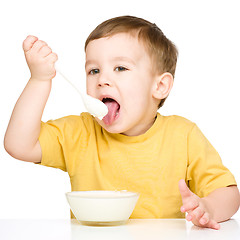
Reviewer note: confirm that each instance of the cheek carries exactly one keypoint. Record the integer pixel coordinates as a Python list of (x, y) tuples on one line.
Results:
[(90, 87), (135, 96), (139, 87)]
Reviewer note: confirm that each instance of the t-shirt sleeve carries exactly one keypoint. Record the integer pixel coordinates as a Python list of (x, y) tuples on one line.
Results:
[(205, 171), (50, 139)]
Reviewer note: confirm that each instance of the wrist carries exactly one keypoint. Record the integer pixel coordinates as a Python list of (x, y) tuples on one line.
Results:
[(40, 80), (44, 77), (40, 85)]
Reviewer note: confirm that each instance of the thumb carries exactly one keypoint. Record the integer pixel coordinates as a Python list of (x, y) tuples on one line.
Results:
[(184, 190)]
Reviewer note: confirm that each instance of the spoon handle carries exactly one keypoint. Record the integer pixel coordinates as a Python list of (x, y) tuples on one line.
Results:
[(69, 82)]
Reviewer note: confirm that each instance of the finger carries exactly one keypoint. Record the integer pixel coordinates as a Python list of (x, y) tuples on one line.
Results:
[(197, 213), (189, 205), (213, 224), (38, 45), (52, 57), (29, 42), (184, 190), (189, 216), (204, 219), (45, 51)]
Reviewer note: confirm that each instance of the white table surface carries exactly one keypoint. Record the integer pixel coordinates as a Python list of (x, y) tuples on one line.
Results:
[(135, 229)]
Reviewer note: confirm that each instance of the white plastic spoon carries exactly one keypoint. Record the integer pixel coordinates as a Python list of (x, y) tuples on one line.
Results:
[(94, 106)]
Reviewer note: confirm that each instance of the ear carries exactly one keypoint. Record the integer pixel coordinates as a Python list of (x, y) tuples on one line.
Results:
[(162, 85)]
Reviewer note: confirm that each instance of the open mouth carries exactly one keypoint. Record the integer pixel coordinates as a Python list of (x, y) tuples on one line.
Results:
[(113, 110)]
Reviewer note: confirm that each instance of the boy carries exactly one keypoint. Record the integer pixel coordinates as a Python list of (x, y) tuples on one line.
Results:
[(130, 66)]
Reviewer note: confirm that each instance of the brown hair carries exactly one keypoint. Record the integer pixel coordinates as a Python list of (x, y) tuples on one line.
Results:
[(162, 51)]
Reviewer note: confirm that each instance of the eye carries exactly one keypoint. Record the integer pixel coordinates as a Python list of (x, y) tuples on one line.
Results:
[(94, 71), (120, 69)]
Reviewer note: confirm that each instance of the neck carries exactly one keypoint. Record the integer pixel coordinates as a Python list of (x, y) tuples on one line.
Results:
[(141, 128)]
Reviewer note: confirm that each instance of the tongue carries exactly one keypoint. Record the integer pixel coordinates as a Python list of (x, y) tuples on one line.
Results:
[(113, 107)]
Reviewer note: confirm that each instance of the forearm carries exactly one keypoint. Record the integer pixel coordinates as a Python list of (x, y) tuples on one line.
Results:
[(25, 123), (223, 203)]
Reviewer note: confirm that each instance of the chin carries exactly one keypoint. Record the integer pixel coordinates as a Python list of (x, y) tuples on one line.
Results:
[(113, 128)]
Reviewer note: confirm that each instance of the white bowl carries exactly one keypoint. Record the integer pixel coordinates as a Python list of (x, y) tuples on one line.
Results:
[(102, 207)]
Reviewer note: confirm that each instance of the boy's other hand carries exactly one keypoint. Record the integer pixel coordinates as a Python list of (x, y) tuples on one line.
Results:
[(196, 208), (40, 58)]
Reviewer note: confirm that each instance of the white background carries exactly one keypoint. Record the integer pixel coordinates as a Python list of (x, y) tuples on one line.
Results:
[(206, 88)]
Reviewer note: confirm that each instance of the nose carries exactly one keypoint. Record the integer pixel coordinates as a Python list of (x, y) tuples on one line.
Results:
[(103, 80)]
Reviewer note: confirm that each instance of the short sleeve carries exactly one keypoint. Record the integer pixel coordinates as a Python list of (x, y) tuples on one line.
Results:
[(205, 171), (51, 144)]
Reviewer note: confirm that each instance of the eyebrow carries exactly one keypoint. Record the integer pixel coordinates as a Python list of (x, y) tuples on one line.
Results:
[(120, 58), (88, 62)]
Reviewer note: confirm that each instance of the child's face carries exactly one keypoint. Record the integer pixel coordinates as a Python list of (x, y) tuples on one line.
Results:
[(119, 68)]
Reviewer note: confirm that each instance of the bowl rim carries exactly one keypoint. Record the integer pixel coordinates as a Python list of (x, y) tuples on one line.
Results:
[(84, 194)]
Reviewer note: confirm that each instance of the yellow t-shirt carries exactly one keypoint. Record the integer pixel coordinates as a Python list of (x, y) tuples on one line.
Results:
[(152, 164)]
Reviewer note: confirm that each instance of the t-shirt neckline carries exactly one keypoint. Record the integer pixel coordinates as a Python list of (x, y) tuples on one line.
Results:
[(150, 132)]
